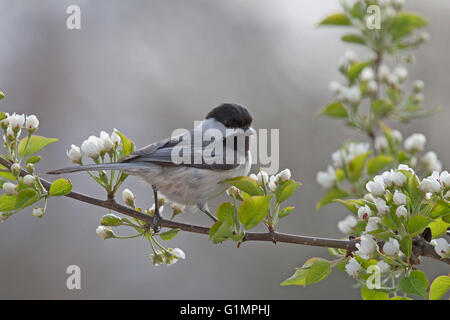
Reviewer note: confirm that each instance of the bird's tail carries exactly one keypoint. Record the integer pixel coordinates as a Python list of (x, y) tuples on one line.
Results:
[(96, 167)]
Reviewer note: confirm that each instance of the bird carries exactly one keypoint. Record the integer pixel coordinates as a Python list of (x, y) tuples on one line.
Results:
[(187, 171)]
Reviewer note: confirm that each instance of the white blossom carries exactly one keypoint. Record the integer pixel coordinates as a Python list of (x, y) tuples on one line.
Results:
[(397, 136), (28, 180), (382, 207), (366, 246), (418, 85), (376, 187), (381, 143), (401, 73), (383, 266), (37, 212), (32, 123), (9, 188), (263, 177), (347, 225), (441, 246), (367, 74), (74, 154), (16, 121), (128, 196), (353, 94), (336, 158), (415, 142), (398, 178), (391, 247), (272, 184), (373, 224), (352, 267), (104, 232), (284, 175), (399, 198), (431, 161), (383, 72), (364, 212), (91, 147), (115, 138), (444, 178), (107, 143), (372, 86), (177, 252), (326, 178), (253, 176), (401, 211)]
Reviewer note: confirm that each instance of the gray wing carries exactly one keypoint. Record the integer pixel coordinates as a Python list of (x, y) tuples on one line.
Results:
[(161, 152)]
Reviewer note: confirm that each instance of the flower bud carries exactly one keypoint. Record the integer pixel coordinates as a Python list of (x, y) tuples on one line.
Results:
[(347, 225), (108, 144), (364, 212), (15, 168), (128, 197), (10, 188), (29, 180), (383, 266), (352, 267), (399, 198), (30, 167), (115, 138), (38, 212), (91, 147), (233, 192), (32, 123), (391, 247), (401, 211), (284, 175), (415, 142), (440, 246), (74, 154), (104, 232)]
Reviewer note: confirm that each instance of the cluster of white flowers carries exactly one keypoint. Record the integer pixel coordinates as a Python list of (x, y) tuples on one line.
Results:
[(271, 182), (340, 158), (13, 124), (94, 147), (168, 257)]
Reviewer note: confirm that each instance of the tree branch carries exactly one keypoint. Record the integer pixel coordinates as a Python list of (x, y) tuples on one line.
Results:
[(420, 246)]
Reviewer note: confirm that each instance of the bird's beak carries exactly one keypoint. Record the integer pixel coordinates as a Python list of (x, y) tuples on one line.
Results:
[(249, 131)]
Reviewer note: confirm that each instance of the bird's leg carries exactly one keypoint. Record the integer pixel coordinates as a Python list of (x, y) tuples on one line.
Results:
[(157, 215), (203, 206)]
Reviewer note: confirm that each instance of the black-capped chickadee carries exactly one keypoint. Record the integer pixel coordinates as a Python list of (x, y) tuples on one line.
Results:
[(186, 170)]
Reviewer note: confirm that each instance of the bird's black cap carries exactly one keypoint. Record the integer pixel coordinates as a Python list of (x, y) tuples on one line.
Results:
[(231, 115)]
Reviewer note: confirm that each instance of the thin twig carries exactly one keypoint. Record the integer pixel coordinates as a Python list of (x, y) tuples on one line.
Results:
[(420, 246)]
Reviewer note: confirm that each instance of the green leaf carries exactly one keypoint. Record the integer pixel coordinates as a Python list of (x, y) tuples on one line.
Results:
[(285, 212), (330, 196), (439, 287), (381, 108), (400, 298), (127, 144), (337, 19), (7, 202), (368, 294), (319, 270), (353, 38), (441, 208), (351, 204), (246, 184), (60, 187), (417, 224), (286, 190), (406, 246), (111, 220), (2, 95), (33, 159), (377, 163), (354, 71), (26, 198), (416, 283), (36, 144), (438, 227), (404, 24), (170, 234), (220, 231), (225, 212), (297, 279), (253, 210), (356, 166), (335, 110)]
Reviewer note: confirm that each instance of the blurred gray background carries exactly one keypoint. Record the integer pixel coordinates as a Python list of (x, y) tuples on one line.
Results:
[(145, 67)]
